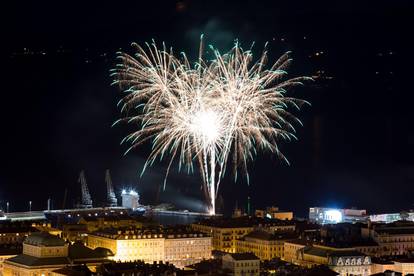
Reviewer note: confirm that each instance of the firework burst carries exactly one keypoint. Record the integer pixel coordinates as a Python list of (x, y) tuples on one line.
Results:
[(207, 114)]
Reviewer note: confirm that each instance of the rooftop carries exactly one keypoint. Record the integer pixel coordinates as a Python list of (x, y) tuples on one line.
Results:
[(243, 256), (150, 232), (242, 222), (7, 250), (77, 270), (16, 227), (325, 252), (44, 239), (264, 235), (27, 260), (118, 268), (78, 251), (335, 243)]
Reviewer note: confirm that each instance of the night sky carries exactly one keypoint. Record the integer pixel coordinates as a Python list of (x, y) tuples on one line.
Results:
[(356, 147)]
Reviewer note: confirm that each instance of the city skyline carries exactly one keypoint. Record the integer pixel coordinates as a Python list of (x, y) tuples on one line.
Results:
[(356, 143)]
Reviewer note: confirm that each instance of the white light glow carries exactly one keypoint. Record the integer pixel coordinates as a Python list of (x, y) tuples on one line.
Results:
[(206, 125), (333, 216)]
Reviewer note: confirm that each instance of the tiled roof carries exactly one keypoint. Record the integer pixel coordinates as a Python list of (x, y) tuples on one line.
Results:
[(27, 260), (80, 251), (264, 235), (243, 256), (45, 239)]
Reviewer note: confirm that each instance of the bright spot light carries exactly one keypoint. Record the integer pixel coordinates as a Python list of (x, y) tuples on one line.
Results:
[(123, 192), (132, 192), (205, 124), (333, 215), (268, 216)]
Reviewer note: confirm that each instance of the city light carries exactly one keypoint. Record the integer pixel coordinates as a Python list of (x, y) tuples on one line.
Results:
[(333, 216)]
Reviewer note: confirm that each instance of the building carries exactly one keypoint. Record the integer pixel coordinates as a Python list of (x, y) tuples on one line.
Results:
[(8, 251), (405, 266), (324, 215), (392, 217), (179, 246), (15, 232), (263, 244), (226, 231), (348, 235), (245, 264), (130, 199), (395, 238), (43, 253), (343, 261), (275, 213), (379, 265), (138, 268), (94, 223), (292, 249)]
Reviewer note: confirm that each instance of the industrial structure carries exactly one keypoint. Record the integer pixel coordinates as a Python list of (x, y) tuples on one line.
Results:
[(111, 197), (130, 199), (86, 199)]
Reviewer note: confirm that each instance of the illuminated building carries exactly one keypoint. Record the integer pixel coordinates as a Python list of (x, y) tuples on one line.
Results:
[(347, 236), (241, 264), (275, 213), (94, 223), (263, 244), (226, 231), (175, 245), (324, 215), (130, 199), (380, 265), (43, 253), (404, 266), (15, 232), (292, 249), (343, 261), (8, 251), (394, 238), (392, 217)]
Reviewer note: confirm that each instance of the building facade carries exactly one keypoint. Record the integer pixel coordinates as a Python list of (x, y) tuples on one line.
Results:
[(180, 248), (226, 232), (393, 239), (275, 213), (292, 249), (263, 244), (324, 215), (343, 261), (241, 264), (43, 253)]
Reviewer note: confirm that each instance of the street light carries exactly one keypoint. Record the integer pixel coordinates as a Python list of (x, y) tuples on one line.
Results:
[(30, 206), (7, 207)]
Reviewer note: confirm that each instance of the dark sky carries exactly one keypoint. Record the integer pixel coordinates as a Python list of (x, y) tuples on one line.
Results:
[(356, 147)]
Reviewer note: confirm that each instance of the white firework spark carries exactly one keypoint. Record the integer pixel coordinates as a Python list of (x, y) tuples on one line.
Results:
[(210, 112)]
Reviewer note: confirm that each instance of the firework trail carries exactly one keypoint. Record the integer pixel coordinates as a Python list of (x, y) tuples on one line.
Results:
[(212, 113)]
